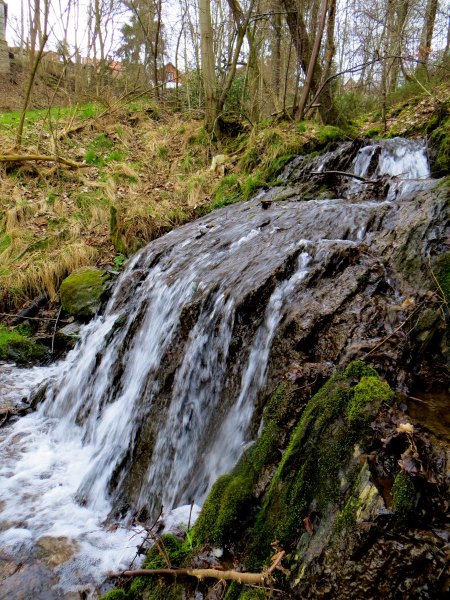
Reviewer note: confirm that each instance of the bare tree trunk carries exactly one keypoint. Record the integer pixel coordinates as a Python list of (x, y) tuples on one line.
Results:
[(177, 50), (288, 67), (427, 32), (397, 42), (330, 48), (276, 54), (302, 43), (386, 64), (242, 26), (156, 48), (26, 103), (22, 29), (447, 45), (208, 66), (313, 61)]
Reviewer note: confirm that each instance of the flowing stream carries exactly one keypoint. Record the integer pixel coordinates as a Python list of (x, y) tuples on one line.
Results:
[(159, 396)]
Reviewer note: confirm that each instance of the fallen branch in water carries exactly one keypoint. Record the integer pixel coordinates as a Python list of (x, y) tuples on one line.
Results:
[(344, 174), (20, 158), (246, 578)]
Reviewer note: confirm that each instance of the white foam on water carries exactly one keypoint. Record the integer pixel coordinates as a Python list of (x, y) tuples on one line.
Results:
[(404, 158)]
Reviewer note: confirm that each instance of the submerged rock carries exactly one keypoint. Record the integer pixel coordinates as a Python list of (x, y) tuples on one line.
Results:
[(55, 551)]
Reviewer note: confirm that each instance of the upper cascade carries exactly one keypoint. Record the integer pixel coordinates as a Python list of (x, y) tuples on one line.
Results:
[(382, 168), (165, 388)]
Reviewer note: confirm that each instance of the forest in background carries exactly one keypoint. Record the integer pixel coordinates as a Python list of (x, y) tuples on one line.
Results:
[(252, 59)]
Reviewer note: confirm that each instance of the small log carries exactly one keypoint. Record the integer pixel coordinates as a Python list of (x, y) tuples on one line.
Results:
[(247, 578), (20, 158), (31, 310), (344, 174), (200, 574)]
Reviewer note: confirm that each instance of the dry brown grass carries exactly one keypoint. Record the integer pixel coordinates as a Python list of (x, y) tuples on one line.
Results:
[(152, 175)]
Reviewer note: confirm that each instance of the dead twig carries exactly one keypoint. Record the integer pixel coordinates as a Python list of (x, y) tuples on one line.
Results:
[(20, 158), (396, 330), (418, 400), (54, 330), (438, 285), (344, 174), (200, 574), (31, 318), (149, 531)]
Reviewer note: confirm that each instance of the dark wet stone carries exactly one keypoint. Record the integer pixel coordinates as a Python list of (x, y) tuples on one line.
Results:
[(30, 582)]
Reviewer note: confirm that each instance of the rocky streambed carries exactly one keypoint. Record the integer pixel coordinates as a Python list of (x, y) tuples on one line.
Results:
[(168, 388)]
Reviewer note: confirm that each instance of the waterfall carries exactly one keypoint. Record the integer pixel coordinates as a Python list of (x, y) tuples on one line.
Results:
[(159, 396)]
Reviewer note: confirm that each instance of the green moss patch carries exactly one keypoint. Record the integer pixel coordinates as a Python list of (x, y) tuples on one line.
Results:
[(17, 347), (227, 191), (403, 494), (369, 392), (309, 472), (115, 595), (231, 502), (440, 142), (82, 292)]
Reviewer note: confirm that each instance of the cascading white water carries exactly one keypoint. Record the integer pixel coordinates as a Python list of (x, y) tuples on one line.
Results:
[(232, 433), (397, 157), (138, 387), (404, 163)]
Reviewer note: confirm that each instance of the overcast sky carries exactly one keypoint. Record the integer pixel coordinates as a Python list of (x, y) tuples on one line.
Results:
[(170, 19), (14, 16)]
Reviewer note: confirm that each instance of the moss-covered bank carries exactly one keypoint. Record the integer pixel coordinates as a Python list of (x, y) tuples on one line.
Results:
[(16, 345)]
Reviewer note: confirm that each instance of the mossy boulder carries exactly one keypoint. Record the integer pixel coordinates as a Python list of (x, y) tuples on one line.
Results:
[(16, 346), (440, 146), (82, 292)]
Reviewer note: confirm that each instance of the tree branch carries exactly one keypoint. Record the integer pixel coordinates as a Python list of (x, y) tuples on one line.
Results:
[(200, 574), (20, 158), (247, 578), (344, 174)]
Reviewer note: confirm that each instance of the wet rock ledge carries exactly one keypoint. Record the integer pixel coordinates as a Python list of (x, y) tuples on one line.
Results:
[(355, 493)]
